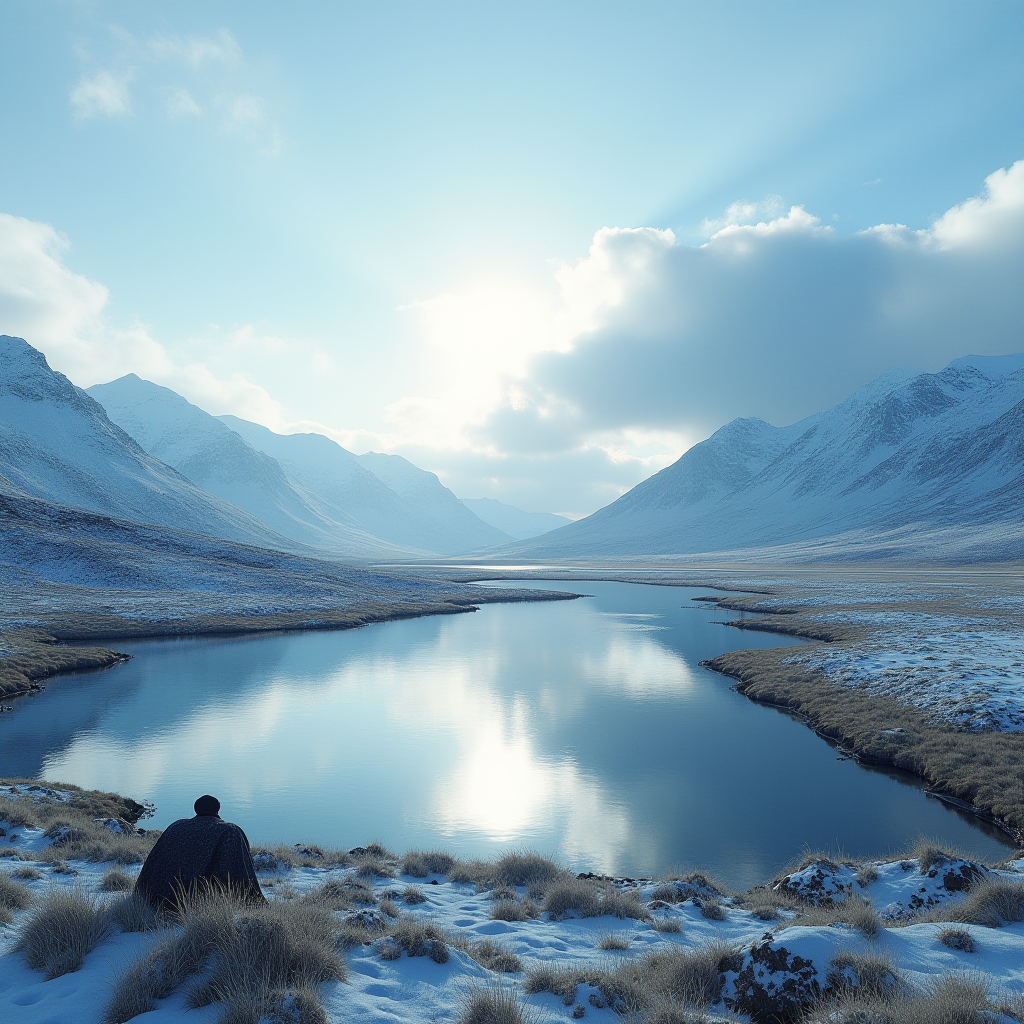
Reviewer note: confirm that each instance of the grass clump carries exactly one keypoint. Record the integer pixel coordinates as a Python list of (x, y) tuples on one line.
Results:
[(259, 960), (951, 999), (584, 898), (957, 938), (711, 908), (133, 913), (116, 880), (413, 895), (417, 938), (27, 873), (668, 986), (853, 911), (990, 903), (61, 931), (669, 925), (13, 896), (341, 894), (613, 941), (511, 910), (494, 957), (871, 975), (494, 1004)]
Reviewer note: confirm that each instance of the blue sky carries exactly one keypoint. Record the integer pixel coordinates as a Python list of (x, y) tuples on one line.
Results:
[(386, 221)]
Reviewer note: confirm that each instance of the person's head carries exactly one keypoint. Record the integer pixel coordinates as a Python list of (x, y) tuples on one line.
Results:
[(207, 805)]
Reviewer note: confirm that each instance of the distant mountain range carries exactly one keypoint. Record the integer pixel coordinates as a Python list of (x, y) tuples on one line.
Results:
[(134, 451), (911, 464), (514, 521)]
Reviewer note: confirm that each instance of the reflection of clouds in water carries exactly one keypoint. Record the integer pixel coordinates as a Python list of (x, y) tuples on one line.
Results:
[(633, 661), (444, 734)]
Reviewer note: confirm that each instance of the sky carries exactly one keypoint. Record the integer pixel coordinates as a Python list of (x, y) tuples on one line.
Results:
[(538, 248)]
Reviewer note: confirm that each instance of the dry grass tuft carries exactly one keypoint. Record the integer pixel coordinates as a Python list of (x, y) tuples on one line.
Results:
[(494, 1004), (710, 908), (665, 986), (261, 958), (61, 931), (27, 873), (341, 894), (991, 903), (854, 911), (494, 957), (667, 924), (613, 941), (957, 938), (951, 999), (419, 938), (510, 910), (14, 896), (413, 895), (421, 863), (586, 898), (116, 880), (872, 975), (134, 913)]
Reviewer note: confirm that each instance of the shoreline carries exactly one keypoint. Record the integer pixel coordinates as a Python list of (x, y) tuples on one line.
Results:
[(29, 656), (756, 674)]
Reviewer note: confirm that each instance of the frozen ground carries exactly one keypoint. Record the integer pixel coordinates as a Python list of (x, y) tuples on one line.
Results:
[(419, 989)]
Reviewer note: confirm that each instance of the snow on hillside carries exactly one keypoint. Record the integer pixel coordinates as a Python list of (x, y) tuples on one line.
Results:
[(334, 478), (222, 462), (517, 523), (926, 452), (426, 491), (57, 444)]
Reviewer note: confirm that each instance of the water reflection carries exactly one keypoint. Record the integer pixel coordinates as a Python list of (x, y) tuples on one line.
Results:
[(582, 728)]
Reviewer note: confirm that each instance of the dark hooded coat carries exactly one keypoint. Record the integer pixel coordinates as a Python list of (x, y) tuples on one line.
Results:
[(195, 851)]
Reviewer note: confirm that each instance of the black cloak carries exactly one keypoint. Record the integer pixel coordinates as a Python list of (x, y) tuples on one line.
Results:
[(194, 851)]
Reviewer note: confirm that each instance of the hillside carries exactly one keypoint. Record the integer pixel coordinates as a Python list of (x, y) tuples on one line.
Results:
[(339, 482), (930, 460), (58, 445), (220, 461)]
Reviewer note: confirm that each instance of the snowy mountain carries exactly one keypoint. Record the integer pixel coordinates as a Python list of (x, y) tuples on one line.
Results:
[(514, 521), (906, 454), (58, 445), (333, 476), (427, 493), (220, 461)]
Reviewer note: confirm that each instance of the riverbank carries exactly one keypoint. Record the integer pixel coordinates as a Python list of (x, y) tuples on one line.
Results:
[(921, 672), (370, 936), (47, 629)]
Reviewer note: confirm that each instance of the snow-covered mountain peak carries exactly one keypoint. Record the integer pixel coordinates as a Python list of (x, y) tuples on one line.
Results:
[(25, 374)]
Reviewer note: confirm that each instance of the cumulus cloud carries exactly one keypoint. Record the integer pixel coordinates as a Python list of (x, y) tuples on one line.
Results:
[(62, 313), (102, 94), (778, 319)]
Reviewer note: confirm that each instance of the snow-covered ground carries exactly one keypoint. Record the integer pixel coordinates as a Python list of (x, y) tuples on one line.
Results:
[(951, 647), (379, 989)]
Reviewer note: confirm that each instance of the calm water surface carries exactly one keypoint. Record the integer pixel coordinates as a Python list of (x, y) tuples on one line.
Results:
[(581, 728)]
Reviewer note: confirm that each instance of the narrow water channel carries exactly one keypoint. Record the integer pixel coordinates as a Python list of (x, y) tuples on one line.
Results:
[(585, 729)]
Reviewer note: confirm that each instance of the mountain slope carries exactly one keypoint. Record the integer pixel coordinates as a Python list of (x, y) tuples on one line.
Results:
[(515, 522), (337, 480), (57, 444), (217, 459), (927, 452), (427, 493)]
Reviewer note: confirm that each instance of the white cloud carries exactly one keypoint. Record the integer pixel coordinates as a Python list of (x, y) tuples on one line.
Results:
[(196, 50), (103, 94), (181, 104), (62, 314)]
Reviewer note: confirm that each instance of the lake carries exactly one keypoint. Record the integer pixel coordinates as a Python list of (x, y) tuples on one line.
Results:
[(585, 729)]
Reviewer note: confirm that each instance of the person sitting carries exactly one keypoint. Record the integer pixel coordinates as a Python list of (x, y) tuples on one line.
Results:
[(199, 852)]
